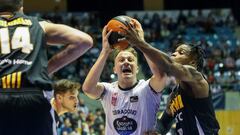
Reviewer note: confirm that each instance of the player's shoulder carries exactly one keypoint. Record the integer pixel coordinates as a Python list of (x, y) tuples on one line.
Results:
[(110, 85), (142, 81)]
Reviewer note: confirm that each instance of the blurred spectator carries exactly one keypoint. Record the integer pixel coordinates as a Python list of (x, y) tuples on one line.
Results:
[(82, 107)]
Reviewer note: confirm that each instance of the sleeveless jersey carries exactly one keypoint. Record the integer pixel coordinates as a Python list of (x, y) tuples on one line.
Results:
[(23, 57), (193, 116), (132, 111)]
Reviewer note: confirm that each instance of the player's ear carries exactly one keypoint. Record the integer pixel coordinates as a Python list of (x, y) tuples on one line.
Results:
[(193, 63), (58, 97)]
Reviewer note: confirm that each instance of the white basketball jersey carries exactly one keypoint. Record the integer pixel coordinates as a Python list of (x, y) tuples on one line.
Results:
[(130, 112)]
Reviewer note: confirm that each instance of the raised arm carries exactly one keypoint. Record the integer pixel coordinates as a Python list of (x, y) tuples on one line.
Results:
[(184, 73), (76, 41), (91, 87), (158, 79), (160, 59)]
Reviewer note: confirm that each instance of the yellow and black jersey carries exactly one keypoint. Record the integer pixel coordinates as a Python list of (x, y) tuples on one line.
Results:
[(23, 56), (193, 116)]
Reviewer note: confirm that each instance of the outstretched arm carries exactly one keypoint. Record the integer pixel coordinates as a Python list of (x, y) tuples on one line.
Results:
[(160, 59), (91, 87), (76, 41), (185, 73), (158, 79), (164, 124)]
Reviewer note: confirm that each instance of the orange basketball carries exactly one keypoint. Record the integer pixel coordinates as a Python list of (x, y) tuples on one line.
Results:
[(114, 24)]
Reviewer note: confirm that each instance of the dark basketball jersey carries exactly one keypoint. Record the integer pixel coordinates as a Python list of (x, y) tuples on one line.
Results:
[(23, 57), (193, 116)]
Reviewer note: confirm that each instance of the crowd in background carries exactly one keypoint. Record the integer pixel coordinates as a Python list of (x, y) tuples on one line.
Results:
[(214, 31)]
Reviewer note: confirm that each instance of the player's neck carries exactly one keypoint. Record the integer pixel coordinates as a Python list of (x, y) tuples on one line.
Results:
[(127, 85)]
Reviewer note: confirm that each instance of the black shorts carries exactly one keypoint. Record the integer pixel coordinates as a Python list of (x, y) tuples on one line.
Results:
[(25, 113)]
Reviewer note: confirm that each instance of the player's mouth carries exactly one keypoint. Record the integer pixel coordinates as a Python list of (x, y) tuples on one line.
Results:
[(126, 69), (75, 106)]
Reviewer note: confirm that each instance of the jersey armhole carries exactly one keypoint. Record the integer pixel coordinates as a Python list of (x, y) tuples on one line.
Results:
[(41, 23), (102, 94)]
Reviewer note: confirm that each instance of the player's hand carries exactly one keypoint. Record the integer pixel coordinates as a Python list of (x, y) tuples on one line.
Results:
[(105, 44), (134, 33), (138, 27)]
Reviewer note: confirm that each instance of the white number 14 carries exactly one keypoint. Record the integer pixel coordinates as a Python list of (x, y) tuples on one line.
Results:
[(20, 39)]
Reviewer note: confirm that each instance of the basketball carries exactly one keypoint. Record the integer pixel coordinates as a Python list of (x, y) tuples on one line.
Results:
[(114, 24)]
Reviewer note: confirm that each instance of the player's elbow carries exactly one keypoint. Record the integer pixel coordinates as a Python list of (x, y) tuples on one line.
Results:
[(86, 88), (86, 41)]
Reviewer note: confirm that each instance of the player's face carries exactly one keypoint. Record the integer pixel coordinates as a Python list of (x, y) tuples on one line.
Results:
[(126, 65), (182, 54), (70, 101)]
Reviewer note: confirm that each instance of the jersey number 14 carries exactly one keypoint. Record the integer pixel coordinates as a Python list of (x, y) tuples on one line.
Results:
[(20, 39)]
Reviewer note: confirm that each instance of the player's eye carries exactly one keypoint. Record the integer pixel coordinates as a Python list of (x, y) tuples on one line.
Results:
[(130, 59), (121, 60)]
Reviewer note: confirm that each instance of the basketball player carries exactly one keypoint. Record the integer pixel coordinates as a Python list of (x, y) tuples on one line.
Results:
[(65, 97), (25, 87), (130, 104), (190, 103)]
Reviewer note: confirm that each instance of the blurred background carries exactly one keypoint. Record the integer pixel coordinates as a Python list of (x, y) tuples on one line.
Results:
[(212, 23)]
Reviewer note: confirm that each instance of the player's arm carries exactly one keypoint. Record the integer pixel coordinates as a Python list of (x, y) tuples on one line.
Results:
[(76, 41), (158, 80), (164, 124), (159, 58), (184, 73), (91, 87), (167, 117)]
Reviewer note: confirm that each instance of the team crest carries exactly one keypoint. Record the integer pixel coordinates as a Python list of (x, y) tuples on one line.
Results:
[(114, 99)]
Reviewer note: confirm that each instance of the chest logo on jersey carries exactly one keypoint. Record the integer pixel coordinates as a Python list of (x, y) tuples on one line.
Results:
[(125, 125), (176, 104), (134, 99), (114, 99)]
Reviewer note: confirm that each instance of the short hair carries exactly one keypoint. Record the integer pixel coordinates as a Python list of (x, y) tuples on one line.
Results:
[(64, 85), (129, 49), (10, 5), (197, 52)]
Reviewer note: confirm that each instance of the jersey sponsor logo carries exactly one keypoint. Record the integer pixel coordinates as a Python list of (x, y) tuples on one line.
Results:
[(179, 117), (176, 104), (124, 111), (134, 99), (125, 125), (114, 99), (12, 80), (15, 62), (18, 21)]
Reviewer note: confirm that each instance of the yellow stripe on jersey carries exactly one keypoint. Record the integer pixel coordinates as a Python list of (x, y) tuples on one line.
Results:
[(9, 81), (14, 76), (4, 82), (19, 76)]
